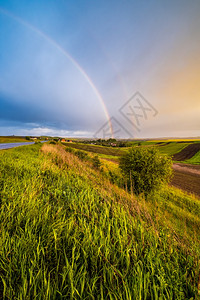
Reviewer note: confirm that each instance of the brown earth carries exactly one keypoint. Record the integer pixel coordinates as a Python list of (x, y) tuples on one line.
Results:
[(187, 153), (187, 181), (187, 178)]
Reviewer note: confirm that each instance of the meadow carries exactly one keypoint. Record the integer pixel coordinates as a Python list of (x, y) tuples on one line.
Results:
[(69, 232)]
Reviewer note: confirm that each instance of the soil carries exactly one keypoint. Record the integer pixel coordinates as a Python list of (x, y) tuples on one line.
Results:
[(187, 178)]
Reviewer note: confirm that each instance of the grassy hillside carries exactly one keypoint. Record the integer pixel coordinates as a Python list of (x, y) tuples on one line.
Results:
[(68, 233)]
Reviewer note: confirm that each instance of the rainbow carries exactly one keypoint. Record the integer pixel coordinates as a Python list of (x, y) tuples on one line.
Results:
[(67, 55)]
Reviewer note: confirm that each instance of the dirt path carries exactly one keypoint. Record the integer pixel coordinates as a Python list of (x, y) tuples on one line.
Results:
[(186, 168)]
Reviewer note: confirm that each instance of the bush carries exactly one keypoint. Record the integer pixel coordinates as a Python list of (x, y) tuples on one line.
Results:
[(96, 162), (52, 143), (70, 150), (82, 155), (145, 170)]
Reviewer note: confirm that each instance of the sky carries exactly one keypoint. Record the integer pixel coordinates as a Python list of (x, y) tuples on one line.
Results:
[(123, 69)]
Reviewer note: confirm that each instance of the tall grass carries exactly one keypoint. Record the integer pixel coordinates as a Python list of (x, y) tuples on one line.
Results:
[(67, 233)]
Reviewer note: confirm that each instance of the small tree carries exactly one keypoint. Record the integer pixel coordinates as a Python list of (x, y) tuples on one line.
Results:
[(145, 169)]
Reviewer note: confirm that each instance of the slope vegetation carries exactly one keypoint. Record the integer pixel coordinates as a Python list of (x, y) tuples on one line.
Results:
[(68, 233)]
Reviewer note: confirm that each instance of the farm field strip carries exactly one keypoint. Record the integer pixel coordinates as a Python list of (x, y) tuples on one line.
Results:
[(187, 153), (12, 139), (194, 159), (95, 149)]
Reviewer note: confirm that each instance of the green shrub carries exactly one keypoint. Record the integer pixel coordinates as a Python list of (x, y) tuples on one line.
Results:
[(144, 169), (82, 155), (70, 150), (52, 143), (96, 162)]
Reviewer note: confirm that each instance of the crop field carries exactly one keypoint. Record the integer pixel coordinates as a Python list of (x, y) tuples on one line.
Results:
[(187, 181), (172, 148), (169, 148), (96, 149), (187, 153), (68, 232), (165, 147), (12, 139), (194, 160)]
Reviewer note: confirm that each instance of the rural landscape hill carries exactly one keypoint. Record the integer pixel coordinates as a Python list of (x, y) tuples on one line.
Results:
[(68, 230)]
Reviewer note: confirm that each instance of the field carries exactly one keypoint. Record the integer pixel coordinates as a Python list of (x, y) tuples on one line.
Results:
[(67, 232), (177, 149), (194, 160), (96, 149), (180, 150), (187, 153), (172, 148), (12, 139), (188, 182)]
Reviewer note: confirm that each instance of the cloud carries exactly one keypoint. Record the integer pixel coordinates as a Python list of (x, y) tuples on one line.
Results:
[(149, 47), (45, 131)]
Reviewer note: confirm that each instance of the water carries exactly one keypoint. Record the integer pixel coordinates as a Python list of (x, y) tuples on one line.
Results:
[(12, 145)]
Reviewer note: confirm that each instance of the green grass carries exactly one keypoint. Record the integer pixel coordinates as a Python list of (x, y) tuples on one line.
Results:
[(175, 207), (67, 233)]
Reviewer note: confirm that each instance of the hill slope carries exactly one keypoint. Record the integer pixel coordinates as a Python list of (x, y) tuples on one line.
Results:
[(68, 233)]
